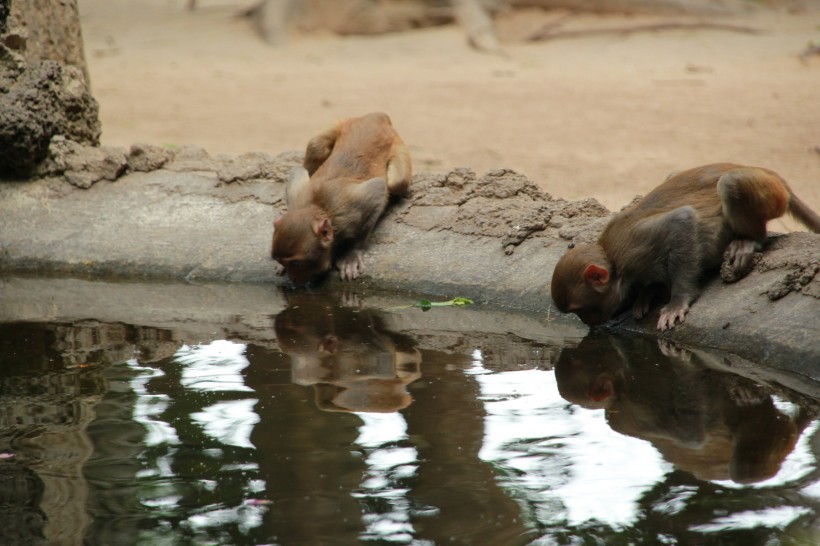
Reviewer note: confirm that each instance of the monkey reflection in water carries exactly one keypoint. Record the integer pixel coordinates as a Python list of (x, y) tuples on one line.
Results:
[(712, 424), (352, 360)]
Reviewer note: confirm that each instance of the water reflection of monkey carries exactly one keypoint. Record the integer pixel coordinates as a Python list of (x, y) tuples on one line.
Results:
[(347, 354), (712, 424)]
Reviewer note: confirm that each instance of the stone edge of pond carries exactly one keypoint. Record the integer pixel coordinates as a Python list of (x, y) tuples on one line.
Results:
[(155, 213)]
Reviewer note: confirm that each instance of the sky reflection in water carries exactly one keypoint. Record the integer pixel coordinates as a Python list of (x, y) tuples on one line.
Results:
[(562, 462), (347, 424)]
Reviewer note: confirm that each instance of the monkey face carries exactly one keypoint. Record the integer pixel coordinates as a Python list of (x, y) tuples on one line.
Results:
[(581, 284), (304, 264), (592, 316), (302, 270), (595, 305), (302, 245)]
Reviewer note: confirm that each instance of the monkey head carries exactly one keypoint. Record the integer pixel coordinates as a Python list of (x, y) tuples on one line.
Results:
[(302, 244), (582, 283)]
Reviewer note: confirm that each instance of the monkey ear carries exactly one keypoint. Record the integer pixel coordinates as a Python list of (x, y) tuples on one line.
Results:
[(601, 389), (277, 220), (324, 231), (596, 276)]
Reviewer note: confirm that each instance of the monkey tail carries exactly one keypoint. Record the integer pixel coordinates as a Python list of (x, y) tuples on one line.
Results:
[(804, 214)]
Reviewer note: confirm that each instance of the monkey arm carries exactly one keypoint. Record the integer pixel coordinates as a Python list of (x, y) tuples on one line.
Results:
[(671, 257), (357, 209), (643, 302)]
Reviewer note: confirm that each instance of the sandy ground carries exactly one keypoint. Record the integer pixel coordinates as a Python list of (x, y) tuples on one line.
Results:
[(603, 116)]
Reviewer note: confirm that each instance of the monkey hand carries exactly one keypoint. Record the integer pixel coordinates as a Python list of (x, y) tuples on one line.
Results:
[(738, 259), (641, 307), (643, 302), (280, 269), (672, 314), (351, 265)]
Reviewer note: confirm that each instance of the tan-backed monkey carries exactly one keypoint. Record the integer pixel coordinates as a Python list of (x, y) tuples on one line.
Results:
[(335, 201), (665, 242)]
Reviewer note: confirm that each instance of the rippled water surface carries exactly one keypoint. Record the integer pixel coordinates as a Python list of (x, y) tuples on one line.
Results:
[(340, 420)]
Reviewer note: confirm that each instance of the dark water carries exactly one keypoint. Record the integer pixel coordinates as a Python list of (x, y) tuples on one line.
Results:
[(333, 422)]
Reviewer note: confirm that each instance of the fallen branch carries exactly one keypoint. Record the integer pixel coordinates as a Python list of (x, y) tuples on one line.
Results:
[(550, 33)]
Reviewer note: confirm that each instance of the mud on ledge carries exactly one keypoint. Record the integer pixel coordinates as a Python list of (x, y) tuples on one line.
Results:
[(153, 212)]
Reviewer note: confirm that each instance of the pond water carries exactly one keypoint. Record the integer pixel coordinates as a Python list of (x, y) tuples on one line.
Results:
[(339, 419)]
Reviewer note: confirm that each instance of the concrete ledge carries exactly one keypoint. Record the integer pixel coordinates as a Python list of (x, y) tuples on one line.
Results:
[(494, 238)]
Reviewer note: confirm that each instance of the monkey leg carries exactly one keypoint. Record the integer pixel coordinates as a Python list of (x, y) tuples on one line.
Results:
[(399, 168), (320, 147), (750, 197)]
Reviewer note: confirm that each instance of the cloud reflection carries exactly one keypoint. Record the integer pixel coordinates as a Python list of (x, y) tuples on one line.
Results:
[(214, 366), (572, 457), (231, 421)]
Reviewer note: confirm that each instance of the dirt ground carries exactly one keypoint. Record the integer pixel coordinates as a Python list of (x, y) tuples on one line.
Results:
[(607, 116)]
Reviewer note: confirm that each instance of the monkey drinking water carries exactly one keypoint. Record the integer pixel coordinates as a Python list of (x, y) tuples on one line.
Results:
[(334, 202), (662, 244)]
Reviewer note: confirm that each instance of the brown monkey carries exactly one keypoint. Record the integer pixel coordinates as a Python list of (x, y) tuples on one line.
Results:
[(666, 241), (335, 201)]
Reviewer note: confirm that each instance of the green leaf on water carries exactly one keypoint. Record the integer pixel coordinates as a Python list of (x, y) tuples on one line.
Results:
[(426, 305)]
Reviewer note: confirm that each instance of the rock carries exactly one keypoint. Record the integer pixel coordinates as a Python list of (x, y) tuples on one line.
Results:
[(81, 165), (43, 83), (190, 159), (256, 165), (46, 99), (147, 157), (12, 64)]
